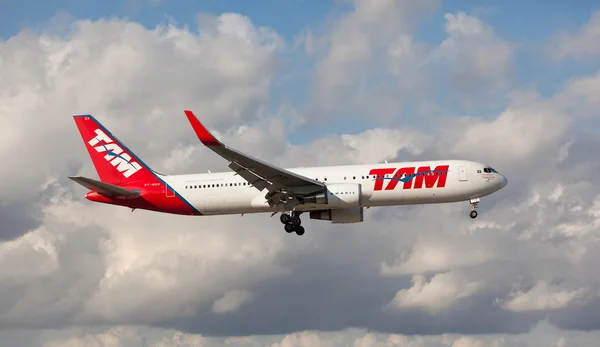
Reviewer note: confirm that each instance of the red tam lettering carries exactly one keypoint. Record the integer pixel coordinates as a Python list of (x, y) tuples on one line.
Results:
[(379, 173), (398, 176), (431, 177)]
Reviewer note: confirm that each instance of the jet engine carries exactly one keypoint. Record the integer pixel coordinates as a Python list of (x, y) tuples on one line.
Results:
[(344, 195), (345, 215)]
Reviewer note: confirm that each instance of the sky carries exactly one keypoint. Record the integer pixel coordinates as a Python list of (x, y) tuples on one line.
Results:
[(511, 84)]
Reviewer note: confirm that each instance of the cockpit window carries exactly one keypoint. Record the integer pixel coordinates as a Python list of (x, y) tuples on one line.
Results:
[(489, 170)]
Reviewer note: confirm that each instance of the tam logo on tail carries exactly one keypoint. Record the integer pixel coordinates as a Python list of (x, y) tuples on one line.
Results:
[(114, 154)]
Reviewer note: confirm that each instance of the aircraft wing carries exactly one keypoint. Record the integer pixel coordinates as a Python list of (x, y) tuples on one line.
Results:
[(104, 188), (258, 173)]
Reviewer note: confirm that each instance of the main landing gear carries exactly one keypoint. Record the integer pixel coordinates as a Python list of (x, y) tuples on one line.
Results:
[(474, 205), (292, 223)]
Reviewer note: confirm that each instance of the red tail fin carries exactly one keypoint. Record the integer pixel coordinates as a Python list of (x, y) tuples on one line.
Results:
[(114, 162)]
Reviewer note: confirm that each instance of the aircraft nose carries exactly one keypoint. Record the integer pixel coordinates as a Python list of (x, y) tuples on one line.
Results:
[(503, 181)]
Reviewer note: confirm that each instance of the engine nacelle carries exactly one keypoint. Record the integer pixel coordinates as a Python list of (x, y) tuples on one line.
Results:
[(344, 195), (346, 215)]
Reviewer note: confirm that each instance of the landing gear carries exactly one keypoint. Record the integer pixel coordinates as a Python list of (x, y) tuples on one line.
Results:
[(292, 223), (474, 205)]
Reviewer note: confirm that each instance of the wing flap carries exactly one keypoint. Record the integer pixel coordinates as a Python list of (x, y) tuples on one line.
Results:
[(249, 176), (103, 187)]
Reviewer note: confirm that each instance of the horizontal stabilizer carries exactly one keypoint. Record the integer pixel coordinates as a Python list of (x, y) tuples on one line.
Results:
[(104, 188)]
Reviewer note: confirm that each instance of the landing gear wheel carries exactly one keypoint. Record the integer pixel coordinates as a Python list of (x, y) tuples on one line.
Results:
[(285, 218), (296, 221), (299, 230), (289, 228), (474, 205)]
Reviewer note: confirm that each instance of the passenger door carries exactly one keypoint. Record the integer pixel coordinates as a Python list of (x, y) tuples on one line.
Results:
[(462, 173)]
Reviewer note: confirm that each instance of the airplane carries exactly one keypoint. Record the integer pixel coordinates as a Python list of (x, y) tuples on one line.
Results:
[(338, 194)]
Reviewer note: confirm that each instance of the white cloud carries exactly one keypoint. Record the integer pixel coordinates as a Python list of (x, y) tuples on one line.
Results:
[(188, 270), (517, 134), (433, 253), (443, 291), (468, 341), (358, 34), (351, 57), (540, 335), (476, 56), (542, 296), (115, 337), (371, 63), (582, 96), (183, 340), (581, 45), (309, 339), (370, 146)]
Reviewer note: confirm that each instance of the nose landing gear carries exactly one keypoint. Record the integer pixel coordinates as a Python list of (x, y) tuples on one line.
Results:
[(474, 205), (292, 223)]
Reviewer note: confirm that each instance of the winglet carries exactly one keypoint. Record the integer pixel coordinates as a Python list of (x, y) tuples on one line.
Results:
[(204, 135)]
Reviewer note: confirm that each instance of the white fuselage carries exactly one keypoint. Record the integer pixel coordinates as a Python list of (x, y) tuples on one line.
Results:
[(227, 193)]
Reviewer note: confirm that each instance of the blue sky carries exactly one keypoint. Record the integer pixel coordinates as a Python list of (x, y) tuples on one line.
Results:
[(527, 24), (287, 17), (515, 20)]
